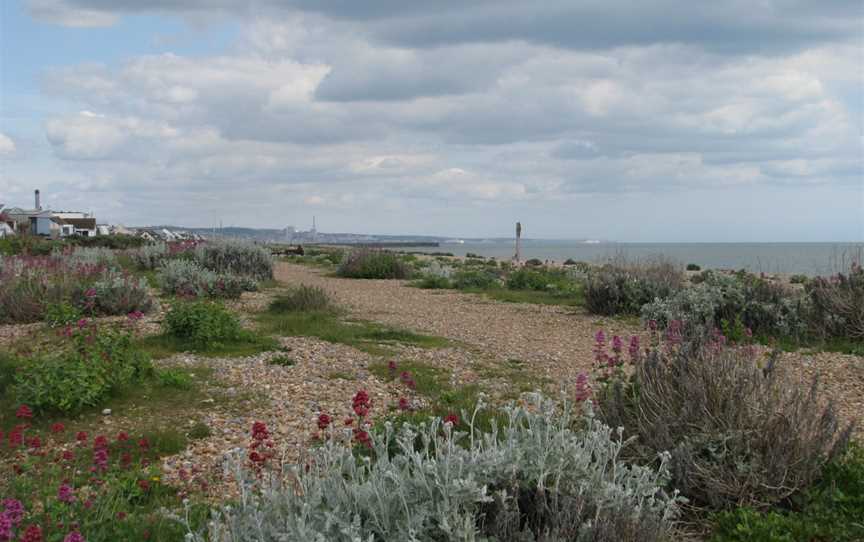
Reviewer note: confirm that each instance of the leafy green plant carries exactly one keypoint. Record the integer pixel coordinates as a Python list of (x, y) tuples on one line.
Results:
[(832, 509), (98, 360), (62, 313), (300, 299), (367, 263), (203, 324), (466, 279), (282, 361), (174, 378), (434, 282)]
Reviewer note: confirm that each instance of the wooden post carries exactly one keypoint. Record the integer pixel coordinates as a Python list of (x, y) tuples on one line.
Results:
[(518, 241)]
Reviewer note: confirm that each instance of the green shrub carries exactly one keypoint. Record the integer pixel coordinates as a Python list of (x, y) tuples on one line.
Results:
[(798, 279), (187, 278), (282, 361), (114, 293), (741, 430), (536, 478), (62, 313), (434, 282), (235, 258), (367, 263), (466, 279), (533, 262), (301, 299), (693, 267), (100, 359), (174, 378), (203, 324), (623, 288), (833, 509)]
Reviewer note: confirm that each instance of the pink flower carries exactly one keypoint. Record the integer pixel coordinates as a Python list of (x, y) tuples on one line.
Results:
[(404, 404), (143, 444), (91, 292), (66, 494), (617, 344), (122, 436), (391, 365), (361, 403), (583, 389), (82, 323), (14, 510), (23, 413), (33, 533), (81, 436), (600, 338), (57, 428), (323, 421), (74, 536), (451, 419), (362, 437), (633, 350)]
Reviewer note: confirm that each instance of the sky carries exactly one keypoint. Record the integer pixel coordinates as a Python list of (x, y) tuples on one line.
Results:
[(624, 120)]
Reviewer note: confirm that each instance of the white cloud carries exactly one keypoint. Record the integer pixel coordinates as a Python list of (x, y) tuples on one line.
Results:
[(7, 146)]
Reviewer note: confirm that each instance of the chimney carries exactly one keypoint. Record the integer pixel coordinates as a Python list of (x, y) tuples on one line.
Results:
[(38, 207)]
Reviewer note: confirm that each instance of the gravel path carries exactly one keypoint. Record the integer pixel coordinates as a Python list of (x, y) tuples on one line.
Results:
[(554, 342)]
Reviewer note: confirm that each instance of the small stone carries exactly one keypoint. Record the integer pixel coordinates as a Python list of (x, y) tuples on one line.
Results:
[(106, 412)]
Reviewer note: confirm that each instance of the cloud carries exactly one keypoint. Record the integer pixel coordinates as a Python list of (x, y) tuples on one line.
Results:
[(444, 107), (7, 146)]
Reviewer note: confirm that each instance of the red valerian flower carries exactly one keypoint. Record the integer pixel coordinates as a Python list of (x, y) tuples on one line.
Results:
[(65, 493), (81, 436), (451, 419), (68, 455), (324, 421), (144, 485), (74, 536), (33, 533), (391, 365), (23, 413), (259, 431), (404, 404), (121, 515), (361, 403), (122, 436), (143, 444), (57, 428), (100, 441), (362, 437)]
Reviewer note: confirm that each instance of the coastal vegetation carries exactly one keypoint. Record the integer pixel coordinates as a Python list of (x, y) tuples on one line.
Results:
[(687, 427)]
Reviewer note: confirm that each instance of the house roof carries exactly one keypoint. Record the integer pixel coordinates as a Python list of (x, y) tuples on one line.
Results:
[(82, 223)]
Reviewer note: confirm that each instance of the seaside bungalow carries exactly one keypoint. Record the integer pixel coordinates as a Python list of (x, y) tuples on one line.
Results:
[(85, 227)]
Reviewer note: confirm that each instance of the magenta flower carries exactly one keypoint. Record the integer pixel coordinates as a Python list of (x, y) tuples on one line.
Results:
[(633, 350), (82, 323), (600, 338), (13, 510), (617, 344), (583, 388), (74, 536), (24, 413), (66, 494), (91, 292)]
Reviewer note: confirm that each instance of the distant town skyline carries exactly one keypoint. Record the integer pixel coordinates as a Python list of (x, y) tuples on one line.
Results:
[(643, 122)]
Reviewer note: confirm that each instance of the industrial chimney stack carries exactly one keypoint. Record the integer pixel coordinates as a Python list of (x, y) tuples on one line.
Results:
[(38, 207)]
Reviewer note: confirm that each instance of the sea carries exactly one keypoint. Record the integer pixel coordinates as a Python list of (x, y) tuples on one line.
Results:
[(771, 258)]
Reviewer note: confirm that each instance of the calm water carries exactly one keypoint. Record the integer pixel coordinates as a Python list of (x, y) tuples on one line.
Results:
[(804, 258)]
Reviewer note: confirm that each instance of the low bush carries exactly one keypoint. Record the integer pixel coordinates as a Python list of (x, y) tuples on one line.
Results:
[(830, 510), (741, 430), (235, 258), (534, 479), (481, 279), (367, 263), (434, 282), (623, 288), (98, 360), (30, 285), (719, 300), (187, 278), (203, 324), (150, 257), (113, 242), (301, 299), (837, 305), (693, 267), (799, 279), (72, 486), (533, 262)]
